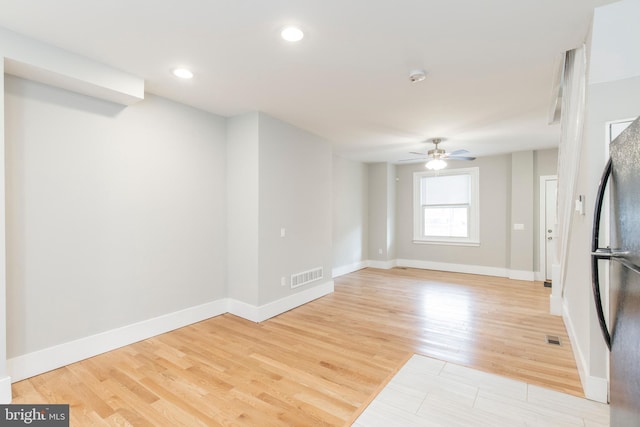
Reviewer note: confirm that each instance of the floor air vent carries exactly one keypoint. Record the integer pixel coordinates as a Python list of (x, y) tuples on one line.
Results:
[(553, 340), (305, 277)]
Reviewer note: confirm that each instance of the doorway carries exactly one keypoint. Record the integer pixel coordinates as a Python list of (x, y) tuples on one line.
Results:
[(548, 224)]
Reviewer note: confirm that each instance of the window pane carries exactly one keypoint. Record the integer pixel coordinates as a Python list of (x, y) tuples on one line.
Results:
[(446, 221), (445, 190)]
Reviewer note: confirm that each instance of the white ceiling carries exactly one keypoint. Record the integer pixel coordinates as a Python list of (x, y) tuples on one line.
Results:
[(490, 63)]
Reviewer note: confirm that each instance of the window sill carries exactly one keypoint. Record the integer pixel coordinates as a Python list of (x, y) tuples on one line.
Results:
[(446, 242)]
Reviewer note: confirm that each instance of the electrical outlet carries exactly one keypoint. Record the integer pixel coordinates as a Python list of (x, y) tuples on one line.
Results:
[(283, 281), (379, 251)]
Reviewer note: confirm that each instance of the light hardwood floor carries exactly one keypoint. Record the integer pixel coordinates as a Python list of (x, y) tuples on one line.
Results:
[(319, 364)]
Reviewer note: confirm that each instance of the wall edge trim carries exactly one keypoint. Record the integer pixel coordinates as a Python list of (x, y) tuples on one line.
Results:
[(454, 268), (40, 361), (383, 265), (529, 276), (263, 312), (349, 268), (595, 388), (5, 390)]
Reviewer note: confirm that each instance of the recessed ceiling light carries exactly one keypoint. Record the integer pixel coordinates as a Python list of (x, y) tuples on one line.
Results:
[(183, 73), (292, 34)]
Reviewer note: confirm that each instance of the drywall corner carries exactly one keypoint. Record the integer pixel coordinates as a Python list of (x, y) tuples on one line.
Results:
[(261, 313), (5, 390)]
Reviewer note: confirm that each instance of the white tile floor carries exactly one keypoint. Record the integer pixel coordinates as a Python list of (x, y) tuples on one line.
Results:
[(430, 392)]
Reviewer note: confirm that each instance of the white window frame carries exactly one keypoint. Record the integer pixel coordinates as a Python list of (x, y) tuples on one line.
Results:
[(473, 238)]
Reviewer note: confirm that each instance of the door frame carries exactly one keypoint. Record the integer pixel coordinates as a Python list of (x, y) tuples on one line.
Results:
[(542, 258)]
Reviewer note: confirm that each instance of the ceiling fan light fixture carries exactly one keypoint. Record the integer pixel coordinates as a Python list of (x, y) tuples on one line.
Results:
[(435, 164)]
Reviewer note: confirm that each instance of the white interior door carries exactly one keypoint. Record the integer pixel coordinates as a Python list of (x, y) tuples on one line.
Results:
[(550, 224)]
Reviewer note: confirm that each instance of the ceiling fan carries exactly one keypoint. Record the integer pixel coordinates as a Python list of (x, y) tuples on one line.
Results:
[(437, 156)]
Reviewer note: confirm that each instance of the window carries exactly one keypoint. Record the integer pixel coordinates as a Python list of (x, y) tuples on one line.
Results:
[(445, 207)]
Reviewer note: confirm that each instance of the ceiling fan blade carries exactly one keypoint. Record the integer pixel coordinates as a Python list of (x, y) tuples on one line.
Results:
[(413, 160), (417, 154), (460, 158), (457, 152)]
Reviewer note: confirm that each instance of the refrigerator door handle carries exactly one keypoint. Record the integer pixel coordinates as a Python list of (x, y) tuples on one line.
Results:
[(600, 253), (608, 253)]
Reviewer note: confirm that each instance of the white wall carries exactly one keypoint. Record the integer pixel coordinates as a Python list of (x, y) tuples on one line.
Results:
[(114, 215), (381, 206), (522, 211), (614, 47), (126, 222), (242, 207), (350, 215), (295, 194), (495, 189), (391, 211), (611, 95), (5, 379), (606, 102), (508, 195)]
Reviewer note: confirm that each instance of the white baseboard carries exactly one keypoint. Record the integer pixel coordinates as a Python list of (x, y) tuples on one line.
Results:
[(539, 276), (346, 269), (5, 390), (440, 266), (243, 309), (595, 388), (555, 305), (522, 275), (47, 359), (455, 268), (261, 313), (383, 265), (44, 360)]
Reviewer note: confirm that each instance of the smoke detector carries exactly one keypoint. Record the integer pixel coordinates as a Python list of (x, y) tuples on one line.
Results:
[(417, 76)]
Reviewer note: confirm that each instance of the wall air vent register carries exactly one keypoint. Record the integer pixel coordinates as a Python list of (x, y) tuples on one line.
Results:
[(305, 277)]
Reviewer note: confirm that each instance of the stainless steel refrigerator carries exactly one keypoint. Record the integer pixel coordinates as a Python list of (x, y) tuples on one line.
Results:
[(622, 330)]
